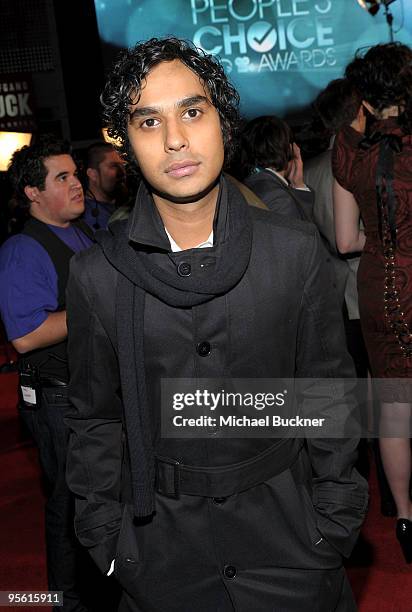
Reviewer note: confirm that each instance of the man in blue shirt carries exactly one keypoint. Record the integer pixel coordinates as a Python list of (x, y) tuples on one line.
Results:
[(33, 276), (106, 185)]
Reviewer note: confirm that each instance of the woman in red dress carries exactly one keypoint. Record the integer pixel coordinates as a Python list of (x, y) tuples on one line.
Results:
[(373, 179)]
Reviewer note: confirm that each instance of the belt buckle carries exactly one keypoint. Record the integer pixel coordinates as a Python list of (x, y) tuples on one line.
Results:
[(176, 479)]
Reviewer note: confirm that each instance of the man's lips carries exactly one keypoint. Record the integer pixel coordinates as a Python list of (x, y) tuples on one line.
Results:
[(78, 197), (184, 168)]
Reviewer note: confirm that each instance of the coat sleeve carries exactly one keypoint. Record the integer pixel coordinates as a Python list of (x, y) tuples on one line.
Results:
[(306, 198), (277, 199), (95, 421), (328, 390), (283, 200)]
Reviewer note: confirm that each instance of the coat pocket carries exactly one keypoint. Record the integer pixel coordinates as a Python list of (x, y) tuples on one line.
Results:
[(127, 559), (319, 544)]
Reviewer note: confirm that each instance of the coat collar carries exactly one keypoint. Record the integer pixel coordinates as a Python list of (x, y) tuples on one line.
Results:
[(145, 225)]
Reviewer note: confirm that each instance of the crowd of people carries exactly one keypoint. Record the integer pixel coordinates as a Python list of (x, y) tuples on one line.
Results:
[(230, 259)]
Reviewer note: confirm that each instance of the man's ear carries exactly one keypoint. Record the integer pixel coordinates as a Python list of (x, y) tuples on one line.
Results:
[(32, 193), (92, 174)]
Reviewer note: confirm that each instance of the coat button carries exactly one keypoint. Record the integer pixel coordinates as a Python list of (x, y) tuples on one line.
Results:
[(184, 269), (203, 349), (229, 571), (219, 500)]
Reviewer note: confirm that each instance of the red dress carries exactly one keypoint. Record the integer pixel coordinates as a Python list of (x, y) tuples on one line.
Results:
[(379, 174)]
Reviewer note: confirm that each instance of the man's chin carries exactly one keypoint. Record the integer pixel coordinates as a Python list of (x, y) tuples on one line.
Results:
[(184, 198)]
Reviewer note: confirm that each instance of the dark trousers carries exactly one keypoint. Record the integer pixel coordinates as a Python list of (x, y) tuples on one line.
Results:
[(50, 434), (69, 567)]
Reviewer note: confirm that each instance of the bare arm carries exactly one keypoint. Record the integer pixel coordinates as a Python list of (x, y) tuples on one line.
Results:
[(51, 331), (349, 237)]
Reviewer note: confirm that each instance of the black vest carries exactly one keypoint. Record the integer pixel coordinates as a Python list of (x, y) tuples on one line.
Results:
[(51, 361)]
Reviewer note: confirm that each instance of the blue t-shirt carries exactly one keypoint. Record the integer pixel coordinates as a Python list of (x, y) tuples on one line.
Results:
[(102, 213), (28, 280)]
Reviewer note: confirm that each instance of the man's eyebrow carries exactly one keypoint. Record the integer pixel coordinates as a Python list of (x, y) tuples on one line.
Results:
[(192, 101), (145, 111), (62, 173)]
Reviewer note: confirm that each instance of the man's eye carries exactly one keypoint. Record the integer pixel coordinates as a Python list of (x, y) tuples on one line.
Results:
[(150, 123), (192, 113)]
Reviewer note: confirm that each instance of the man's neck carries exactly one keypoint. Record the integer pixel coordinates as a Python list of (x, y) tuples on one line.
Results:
[(48, 221), (281, 173), (188, 224)]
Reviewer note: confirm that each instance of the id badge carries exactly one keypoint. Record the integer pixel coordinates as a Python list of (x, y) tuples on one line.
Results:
[(29, 396), (29, 390)]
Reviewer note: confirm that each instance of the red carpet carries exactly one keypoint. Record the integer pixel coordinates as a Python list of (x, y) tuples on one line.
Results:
[(381, 581), (384, 583), (22, 549)]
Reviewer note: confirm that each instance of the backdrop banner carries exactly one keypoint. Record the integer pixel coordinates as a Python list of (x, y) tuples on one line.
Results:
[(278, 53)]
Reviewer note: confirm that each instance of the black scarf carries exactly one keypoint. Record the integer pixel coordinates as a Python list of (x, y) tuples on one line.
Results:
[(138, 275)]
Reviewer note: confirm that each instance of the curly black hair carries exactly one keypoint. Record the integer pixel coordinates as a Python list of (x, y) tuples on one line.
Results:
[(266, 142), (27, 165), (125, 81), (383, 77)]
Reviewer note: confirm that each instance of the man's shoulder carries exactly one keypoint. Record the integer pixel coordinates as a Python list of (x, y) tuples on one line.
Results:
[(18, 241), (260, 178), (91, 266), (280, 226), (87, 261), (19, 249), (268, 186), (265, 175)]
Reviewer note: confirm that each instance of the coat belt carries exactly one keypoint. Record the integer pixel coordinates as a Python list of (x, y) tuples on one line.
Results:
[(174, 478)]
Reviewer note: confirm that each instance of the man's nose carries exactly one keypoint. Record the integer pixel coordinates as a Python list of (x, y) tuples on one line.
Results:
[(75, 182), (175, 136)]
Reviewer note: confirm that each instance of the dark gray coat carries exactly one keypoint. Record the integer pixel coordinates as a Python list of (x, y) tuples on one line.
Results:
[(281, 198), (284, 539)]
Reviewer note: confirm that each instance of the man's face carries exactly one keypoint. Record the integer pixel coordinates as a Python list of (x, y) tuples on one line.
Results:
[(62, 199), (110, 175), (175, 133)]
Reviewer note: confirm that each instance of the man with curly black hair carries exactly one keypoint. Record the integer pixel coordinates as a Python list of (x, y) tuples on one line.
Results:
[(198, 285)]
